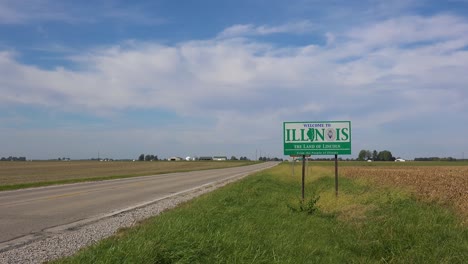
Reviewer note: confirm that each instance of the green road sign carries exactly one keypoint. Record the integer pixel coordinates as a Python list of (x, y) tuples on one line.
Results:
[(317, 138)]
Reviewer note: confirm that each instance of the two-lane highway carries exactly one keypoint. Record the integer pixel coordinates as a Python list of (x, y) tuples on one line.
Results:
[(30, 211)]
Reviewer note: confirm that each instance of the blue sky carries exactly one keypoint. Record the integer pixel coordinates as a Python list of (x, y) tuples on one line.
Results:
[(219, 77)]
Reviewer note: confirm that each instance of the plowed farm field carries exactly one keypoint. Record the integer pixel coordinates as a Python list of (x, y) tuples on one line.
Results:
[(447, 185), (40, 173)]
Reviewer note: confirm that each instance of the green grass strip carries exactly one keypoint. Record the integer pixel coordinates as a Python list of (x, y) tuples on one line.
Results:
[(251, 221)]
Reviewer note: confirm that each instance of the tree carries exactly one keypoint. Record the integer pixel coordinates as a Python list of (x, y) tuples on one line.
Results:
[(385, 155), (362, 155), (149, 157), (368, 155), (142, 157), (375, 155), (11, 158), (233, 158), (365, 155)]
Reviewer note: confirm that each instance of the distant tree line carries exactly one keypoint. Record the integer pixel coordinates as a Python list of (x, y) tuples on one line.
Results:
[(269, 159), (241, 158), (384, 155), (148, 157), (13, 159), (435, 159)]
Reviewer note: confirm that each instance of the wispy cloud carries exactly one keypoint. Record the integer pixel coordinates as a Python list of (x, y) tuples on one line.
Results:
[(134, 16), (9, 15), (412, 29), (342, 14), (23, 12), (300, 27), (31, 11)]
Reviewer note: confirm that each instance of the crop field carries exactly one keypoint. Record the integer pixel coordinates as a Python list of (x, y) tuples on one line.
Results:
[(446, 185), (14, 175)]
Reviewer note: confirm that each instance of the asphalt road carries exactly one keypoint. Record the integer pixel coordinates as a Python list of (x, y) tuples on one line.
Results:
[(25, 213)]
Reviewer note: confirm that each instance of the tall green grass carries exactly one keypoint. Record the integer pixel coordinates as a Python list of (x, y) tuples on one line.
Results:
[(251, 221)]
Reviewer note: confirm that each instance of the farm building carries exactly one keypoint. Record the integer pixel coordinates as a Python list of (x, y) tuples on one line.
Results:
[(175, 158), (205, 158), (220, 158), (400, 160)]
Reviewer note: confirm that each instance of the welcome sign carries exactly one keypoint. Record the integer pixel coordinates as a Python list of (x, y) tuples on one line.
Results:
[(317, 138)]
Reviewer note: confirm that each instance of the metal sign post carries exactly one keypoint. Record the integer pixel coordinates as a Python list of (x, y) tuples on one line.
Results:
[(303, 176), (293, 164), (336, 175)]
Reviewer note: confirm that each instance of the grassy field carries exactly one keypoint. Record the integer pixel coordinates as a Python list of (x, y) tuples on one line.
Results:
[(260, 220), (16, 175)]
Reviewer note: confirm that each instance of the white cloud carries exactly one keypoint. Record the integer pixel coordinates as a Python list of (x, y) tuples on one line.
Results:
[(369, 75), (183, 76)]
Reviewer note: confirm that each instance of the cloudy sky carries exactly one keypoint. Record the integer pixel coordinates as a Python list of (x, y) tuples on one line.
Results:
[(170, 77)]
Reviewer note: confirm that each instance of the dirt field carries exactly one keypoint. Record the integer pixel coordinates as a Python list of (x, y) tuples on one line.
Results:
[(46, 171), (442, 184)]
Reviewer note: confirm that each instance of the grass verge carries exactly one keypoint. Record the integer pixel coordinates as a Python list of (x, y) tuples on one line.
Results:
[(252, 221)]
